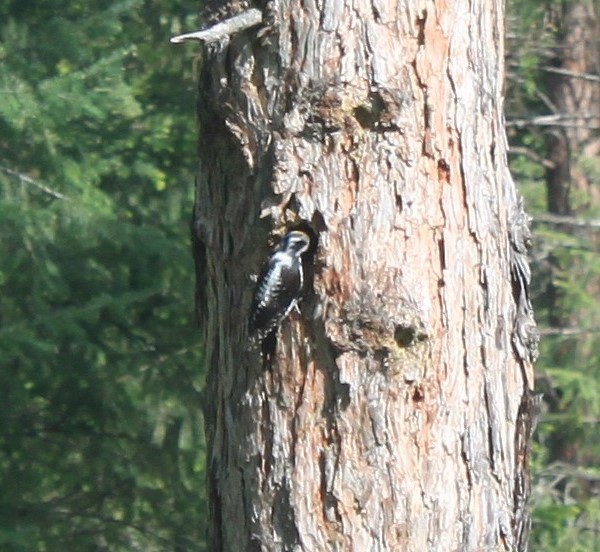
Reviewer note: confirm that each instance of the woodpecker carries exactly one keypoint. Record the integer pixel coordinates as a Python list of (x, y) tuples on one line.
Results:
[(279, 287)]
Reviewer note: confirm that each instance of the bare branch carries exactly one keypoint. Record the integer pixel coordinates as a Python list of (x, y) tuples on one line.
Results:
[(564, 469), (566, 331), (27, 180), (573, 74), (223, 29), (514, 76), (528, 152), (557, 120), (570, 221)]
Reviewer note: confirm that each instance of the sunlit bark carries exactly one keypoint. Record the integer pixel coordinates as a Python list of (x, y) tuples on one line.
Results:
[(395, 414)]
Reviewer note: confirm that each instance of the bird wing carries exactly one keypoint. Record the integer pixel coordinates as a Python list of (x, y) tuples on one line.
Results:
[(276, 293)]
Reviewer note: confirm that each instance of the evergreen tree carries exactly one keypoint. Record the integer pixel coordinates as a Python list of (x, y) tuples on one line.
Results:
[(553, 113), (100, 446)]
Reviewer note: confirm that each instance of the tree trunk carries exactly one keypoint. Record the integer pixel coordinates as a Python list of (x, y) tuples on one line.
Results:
[(572, 182), (396, 411), (572, 187)]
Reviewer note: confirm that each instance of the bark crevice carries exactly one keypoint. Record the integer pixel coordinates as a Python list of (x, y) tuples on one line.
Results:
[(384, 412)]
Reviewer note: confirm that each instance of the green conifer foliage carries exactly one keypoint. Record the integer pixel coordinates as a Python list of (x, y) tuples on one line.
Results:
[(101, 446), (566, 272)]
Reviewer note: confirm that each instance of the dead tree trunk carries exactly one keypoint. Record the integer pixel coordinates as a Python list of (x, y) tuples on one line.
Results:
[(396, 413)]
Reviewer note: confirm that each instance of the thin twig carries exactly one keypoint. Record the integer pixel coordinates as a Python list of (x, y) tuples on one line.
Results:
[(527, 152), (27, 180), (564, 219), (557, 120), (223, 29), (566, 331), (573, 74), (544, 98)]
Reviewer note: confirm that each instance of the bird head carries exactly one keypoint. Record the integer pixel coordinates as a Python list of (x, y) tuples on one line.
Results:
[(295, 243)]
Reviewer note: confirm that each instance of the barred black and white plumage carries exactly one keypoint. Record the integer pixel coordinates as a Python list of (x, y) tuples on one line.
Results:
[(279, 287)]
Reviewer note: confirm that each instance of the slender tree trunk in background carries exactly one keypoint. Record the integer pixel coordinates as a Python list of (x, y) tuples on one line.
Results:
[(572, 187), (396, 414), (572, 181)]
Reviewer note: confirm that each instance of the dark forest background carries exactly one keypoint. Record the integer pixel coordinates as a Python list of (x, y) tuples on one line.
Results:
[(101, 369)]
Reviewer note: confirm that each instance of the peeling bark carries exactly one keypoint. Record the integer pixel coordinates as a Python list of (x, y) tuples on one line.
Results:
[(396, 413)]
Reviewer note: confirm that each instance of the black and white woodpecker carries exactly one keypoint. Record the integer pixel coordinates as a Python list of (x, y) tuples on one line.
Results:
[(279, 287)]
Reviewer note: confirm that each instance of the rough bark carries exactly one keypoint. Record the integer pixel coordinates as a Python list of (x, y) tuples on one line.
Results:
[(396, 414)]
